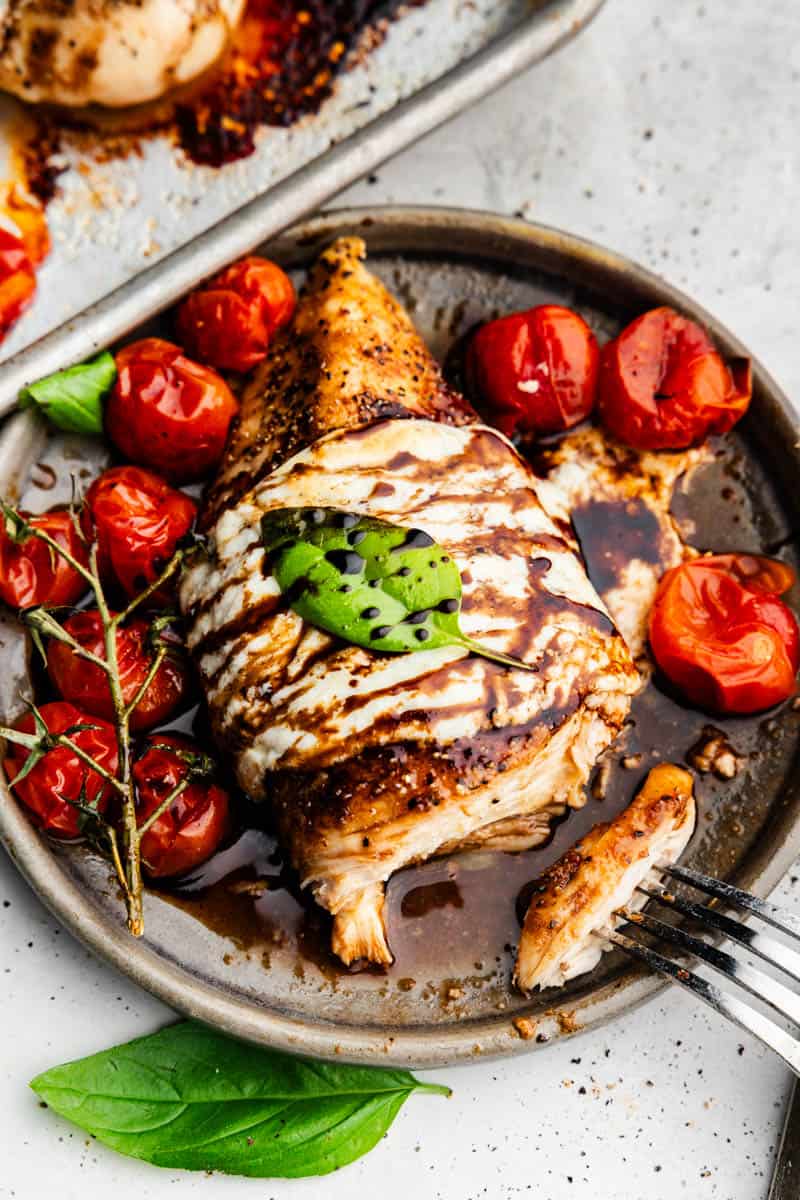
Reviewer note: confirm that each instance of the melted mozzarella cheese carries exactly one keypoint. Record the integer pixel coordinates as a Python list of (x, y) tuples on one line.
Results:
[(524, 593)]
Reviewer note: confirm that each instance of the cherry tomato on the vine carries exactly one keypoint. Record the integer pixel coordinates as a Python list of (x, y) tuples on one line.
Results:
[(32, 573), (663, 386), (137, 519), (86, 685), (61, 776), (720, 633), (535, 371), (196, 822), (17, 279), (229, 321), (168, 412)]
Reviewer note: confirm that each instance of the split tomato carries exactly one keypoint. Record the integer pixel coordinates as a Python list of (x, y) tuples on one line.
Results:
[(230, 321), (138, 519), (86, 684), (195, 823), (663, 386), (32, 573), (17, 279), (722, 635), (535, 371), (60, 776)]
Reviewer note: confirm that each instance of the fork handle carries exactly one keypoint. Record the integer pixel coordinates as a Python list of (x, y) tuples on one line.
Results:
[(786, 1180)]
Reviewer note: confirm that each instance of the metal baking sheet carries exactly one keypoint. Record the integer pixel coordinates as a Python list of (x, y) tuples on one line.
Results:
[(114, 220), (452, 269)]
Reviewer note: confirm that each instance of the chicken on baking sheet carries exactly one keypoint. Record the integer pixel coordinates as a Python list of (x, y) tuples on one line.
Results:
[(374, 761), (109, 52), (581, 894)]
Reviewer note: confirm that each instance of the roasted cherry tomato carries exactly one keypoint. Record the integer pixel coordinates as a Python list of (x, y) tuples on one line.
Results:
[(168, 412), (31, 221), (17, 279), (663, 386), (86, 685), (60, 776), (31, 573), (535, 371), (229, 322), (720, 633), (191, 829), (137, 519)]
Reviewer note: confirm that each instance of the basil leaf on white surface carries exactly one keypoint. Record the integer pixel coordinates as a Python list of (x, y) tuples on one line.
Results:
[(72, 400), (187, 1097), (372, 583)]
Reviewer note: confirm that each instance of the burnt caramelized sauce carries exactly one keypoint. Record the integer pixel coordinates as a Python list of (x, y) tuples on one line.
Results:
[(461, 914), (282, 64), (612, 532)]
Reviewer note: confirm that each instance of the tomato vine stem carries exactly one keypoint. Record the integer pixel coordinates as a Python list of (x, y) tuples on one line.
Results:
[(127, 864)]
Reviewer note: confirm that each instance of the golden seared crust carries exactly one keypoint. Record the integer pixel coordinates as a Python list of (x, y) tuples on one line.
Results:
[(579, 894), (362, 794), (350, 356)]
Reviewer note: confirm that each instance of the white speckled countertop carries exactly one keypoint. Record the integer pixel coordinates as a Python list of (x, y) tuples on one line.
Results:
[(668, 132)]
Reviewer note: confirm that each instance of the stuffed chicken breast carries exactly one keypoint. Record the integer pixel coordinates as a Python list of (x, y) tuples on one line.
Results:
[(372, 760), (578, 897)]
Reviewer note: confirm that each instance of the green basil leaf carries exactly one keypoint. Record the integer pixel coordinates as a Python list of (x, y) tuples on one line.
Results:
[(187, 1097), (73, 399), (369, 582)]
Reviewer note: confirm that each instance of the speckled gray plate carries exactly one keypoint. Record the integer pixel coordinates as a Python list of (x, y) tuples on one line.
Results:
[(452, 269)]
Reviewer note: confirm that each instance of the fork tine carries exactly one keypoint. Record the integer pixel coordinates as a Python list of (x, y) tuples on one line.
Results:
[(735, 1010), (762, 944), (771, 913), (756, 982)]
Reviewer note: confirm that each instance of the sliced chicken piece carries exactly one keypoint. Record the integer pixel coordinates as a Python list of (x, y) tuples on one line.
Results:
[(373, 761), (109, 52), (577, 898), (351, 355), (613, 503)]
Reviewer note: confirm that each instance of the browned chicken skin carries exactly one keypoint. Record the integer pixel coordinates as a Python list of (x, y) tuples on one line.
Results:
[(350, 356), (578, 896)]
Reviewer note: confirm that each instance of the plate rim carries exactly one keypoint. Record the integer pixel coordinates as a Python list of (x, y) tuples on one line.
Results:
[(451, 232)]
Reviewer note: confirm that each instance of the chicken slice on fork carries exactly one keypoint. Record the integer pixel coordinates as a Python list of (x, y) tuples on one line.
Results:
[(373, 761), (578, 897)]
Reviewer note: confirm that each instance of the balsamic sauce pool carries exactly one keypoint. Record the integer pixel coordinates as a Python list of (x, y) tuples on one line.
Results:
[(456, 920)]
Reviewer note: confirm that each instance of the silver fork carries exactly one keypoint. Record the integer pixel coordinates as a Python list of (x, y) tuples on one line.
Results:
[(777, 995)]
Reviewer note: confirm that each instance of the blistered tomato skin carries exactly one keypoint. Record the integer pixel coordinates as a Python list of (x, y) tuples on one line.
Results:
[(85, 684), (168, 412), (31, 573), (220, 328), (261, 283), (60, 775), (534, 372), (17, 279), (723, 637), (138, 519), (229, 322), (663, 386), (196, 822)]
